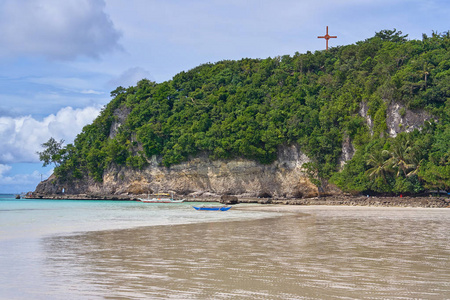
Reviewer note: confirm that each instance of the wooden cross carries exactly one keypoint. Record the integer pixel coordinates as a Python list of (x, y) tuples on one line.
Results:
[(327, 37)]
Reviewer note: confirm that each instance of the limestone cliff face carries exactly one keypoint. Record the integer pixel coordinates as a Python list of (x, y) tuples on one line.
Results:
[(201, 176), (120, 116), (364, 112), (347, 152), (398, 118)]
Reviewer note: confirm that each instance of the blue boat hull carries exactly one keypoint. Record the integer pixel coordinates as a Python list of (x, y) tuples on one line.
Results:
[(225, 208)]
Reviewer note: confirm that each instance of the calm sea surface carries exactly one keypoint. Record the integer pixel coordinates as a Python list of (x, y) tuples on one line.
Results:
[(131, 250)]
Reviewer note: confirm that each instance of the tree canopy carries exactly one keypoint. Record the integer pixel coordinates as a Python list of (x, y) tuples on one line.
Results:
[(248, 108)]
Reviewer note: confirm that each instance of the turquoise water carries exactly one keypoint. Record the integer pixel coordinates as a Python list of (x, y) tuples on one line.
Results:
[(29, 218)]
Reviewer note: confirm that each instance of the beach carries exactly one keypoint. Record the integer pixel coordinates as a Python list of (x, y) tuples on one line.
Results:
[(250, 252)]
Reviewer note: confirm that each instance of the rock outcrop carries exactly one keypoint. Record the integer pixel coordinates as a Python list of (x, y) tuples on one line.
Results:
[(400, 119), (228, 199), (203, 177)]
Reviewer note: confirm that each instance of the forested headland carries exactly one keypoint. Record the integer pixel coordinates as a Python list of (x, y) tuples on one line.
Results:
[(248, 108)]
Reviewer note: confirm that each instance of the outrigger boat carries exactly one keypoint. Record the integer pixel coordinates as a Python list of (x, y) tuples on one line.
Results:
[(159, 199), (216, 208)]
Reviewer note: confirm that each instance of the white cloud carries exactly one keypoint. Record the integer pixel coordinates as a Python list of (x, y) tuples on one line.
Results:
[(130, 77), (14, 179), (13, 183), (21, 137), (56, 29), (4, 169), (91, 92)]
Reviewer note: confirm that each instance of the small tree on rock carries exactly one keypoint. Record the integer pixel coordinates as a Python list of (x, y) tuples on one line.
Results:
[(53, 152)]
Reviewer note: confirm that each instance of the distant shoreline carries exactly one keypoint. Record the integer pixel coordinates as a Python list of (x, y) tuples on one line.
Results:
[(424, 202)]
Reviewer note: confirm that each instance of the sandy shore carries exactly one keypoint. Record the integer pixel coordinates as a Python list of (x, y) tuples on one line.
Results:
[(304, 209)]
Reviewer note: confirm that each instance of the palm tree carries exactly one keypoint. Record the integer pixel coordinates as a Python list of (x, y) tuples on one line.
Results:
[(401, 155), (379, 165)]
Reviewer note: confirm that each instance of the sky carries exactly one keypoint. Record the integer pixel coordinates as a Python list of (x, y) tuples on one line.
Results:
[(59, 60)]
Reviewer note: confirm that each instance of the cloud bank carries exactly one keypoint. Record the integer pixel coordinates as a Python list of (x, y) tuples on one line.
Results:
[(21, 137), (56, 29)]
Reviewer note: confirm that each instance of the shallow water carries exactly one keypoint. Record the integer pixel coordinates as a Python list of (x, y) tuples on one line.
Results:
[(37, 218), (320, 253)]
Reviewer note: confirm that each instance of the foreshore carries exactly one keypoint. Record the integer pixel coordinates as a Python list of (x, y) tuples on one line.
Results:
[(340, 200)]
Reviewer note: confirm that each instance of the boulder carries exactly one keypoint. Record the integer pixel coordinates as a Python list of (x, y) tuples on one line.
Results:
[(228, 199)]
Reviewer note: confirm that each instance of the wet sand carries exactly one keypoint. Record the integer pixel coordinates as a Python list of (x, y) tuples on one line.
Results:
[(311, 252)]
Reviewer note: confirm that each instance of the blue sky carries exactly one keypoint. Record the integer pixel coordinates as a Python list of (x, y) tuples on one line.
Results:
[(59, 60)]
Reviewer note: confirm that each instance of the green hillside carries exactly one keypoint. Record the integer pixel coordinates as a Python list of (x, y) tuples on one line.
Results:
[(247, 108)]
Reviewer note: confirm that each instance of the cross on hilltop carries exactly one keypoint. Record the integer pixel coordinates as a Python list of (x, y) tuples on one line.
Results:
[(327, 37)]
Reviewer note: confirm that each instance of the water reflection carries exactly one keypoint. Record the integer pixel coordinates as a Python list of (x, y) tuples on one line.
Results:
[(324, 254)]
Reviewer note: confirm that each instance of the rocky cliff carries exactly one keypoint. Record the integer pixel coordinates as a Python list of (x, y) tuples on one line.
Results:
[(398, 118), (201, 176)]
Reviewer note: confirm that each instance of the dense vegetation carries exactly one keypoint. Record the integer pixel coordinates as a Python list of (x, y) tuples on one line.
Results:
[(248, 108)]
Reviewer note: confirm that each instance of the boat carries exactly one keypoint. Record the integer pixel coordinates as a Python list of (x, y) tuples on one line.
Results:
[(214, 208), (159, 199)]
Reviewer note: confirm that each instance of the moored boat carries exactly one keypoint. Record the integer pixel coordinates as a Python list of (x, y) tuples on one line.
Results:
[(213, 208), (158, 199)]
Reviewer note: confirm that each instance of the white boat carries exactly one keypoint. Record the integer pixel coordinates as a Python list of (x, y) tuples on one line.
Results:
[(159, 199)]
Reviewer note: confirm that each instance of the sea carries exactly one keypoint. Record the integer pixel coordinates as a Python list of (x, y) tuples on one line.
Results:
[(85, 249)]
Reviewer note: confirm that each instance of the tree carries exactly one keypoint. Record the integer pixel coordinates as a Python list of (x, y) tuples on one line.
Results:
[(53, 152), (118, 91), (391, 35), (400, 155), (379, 165)]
